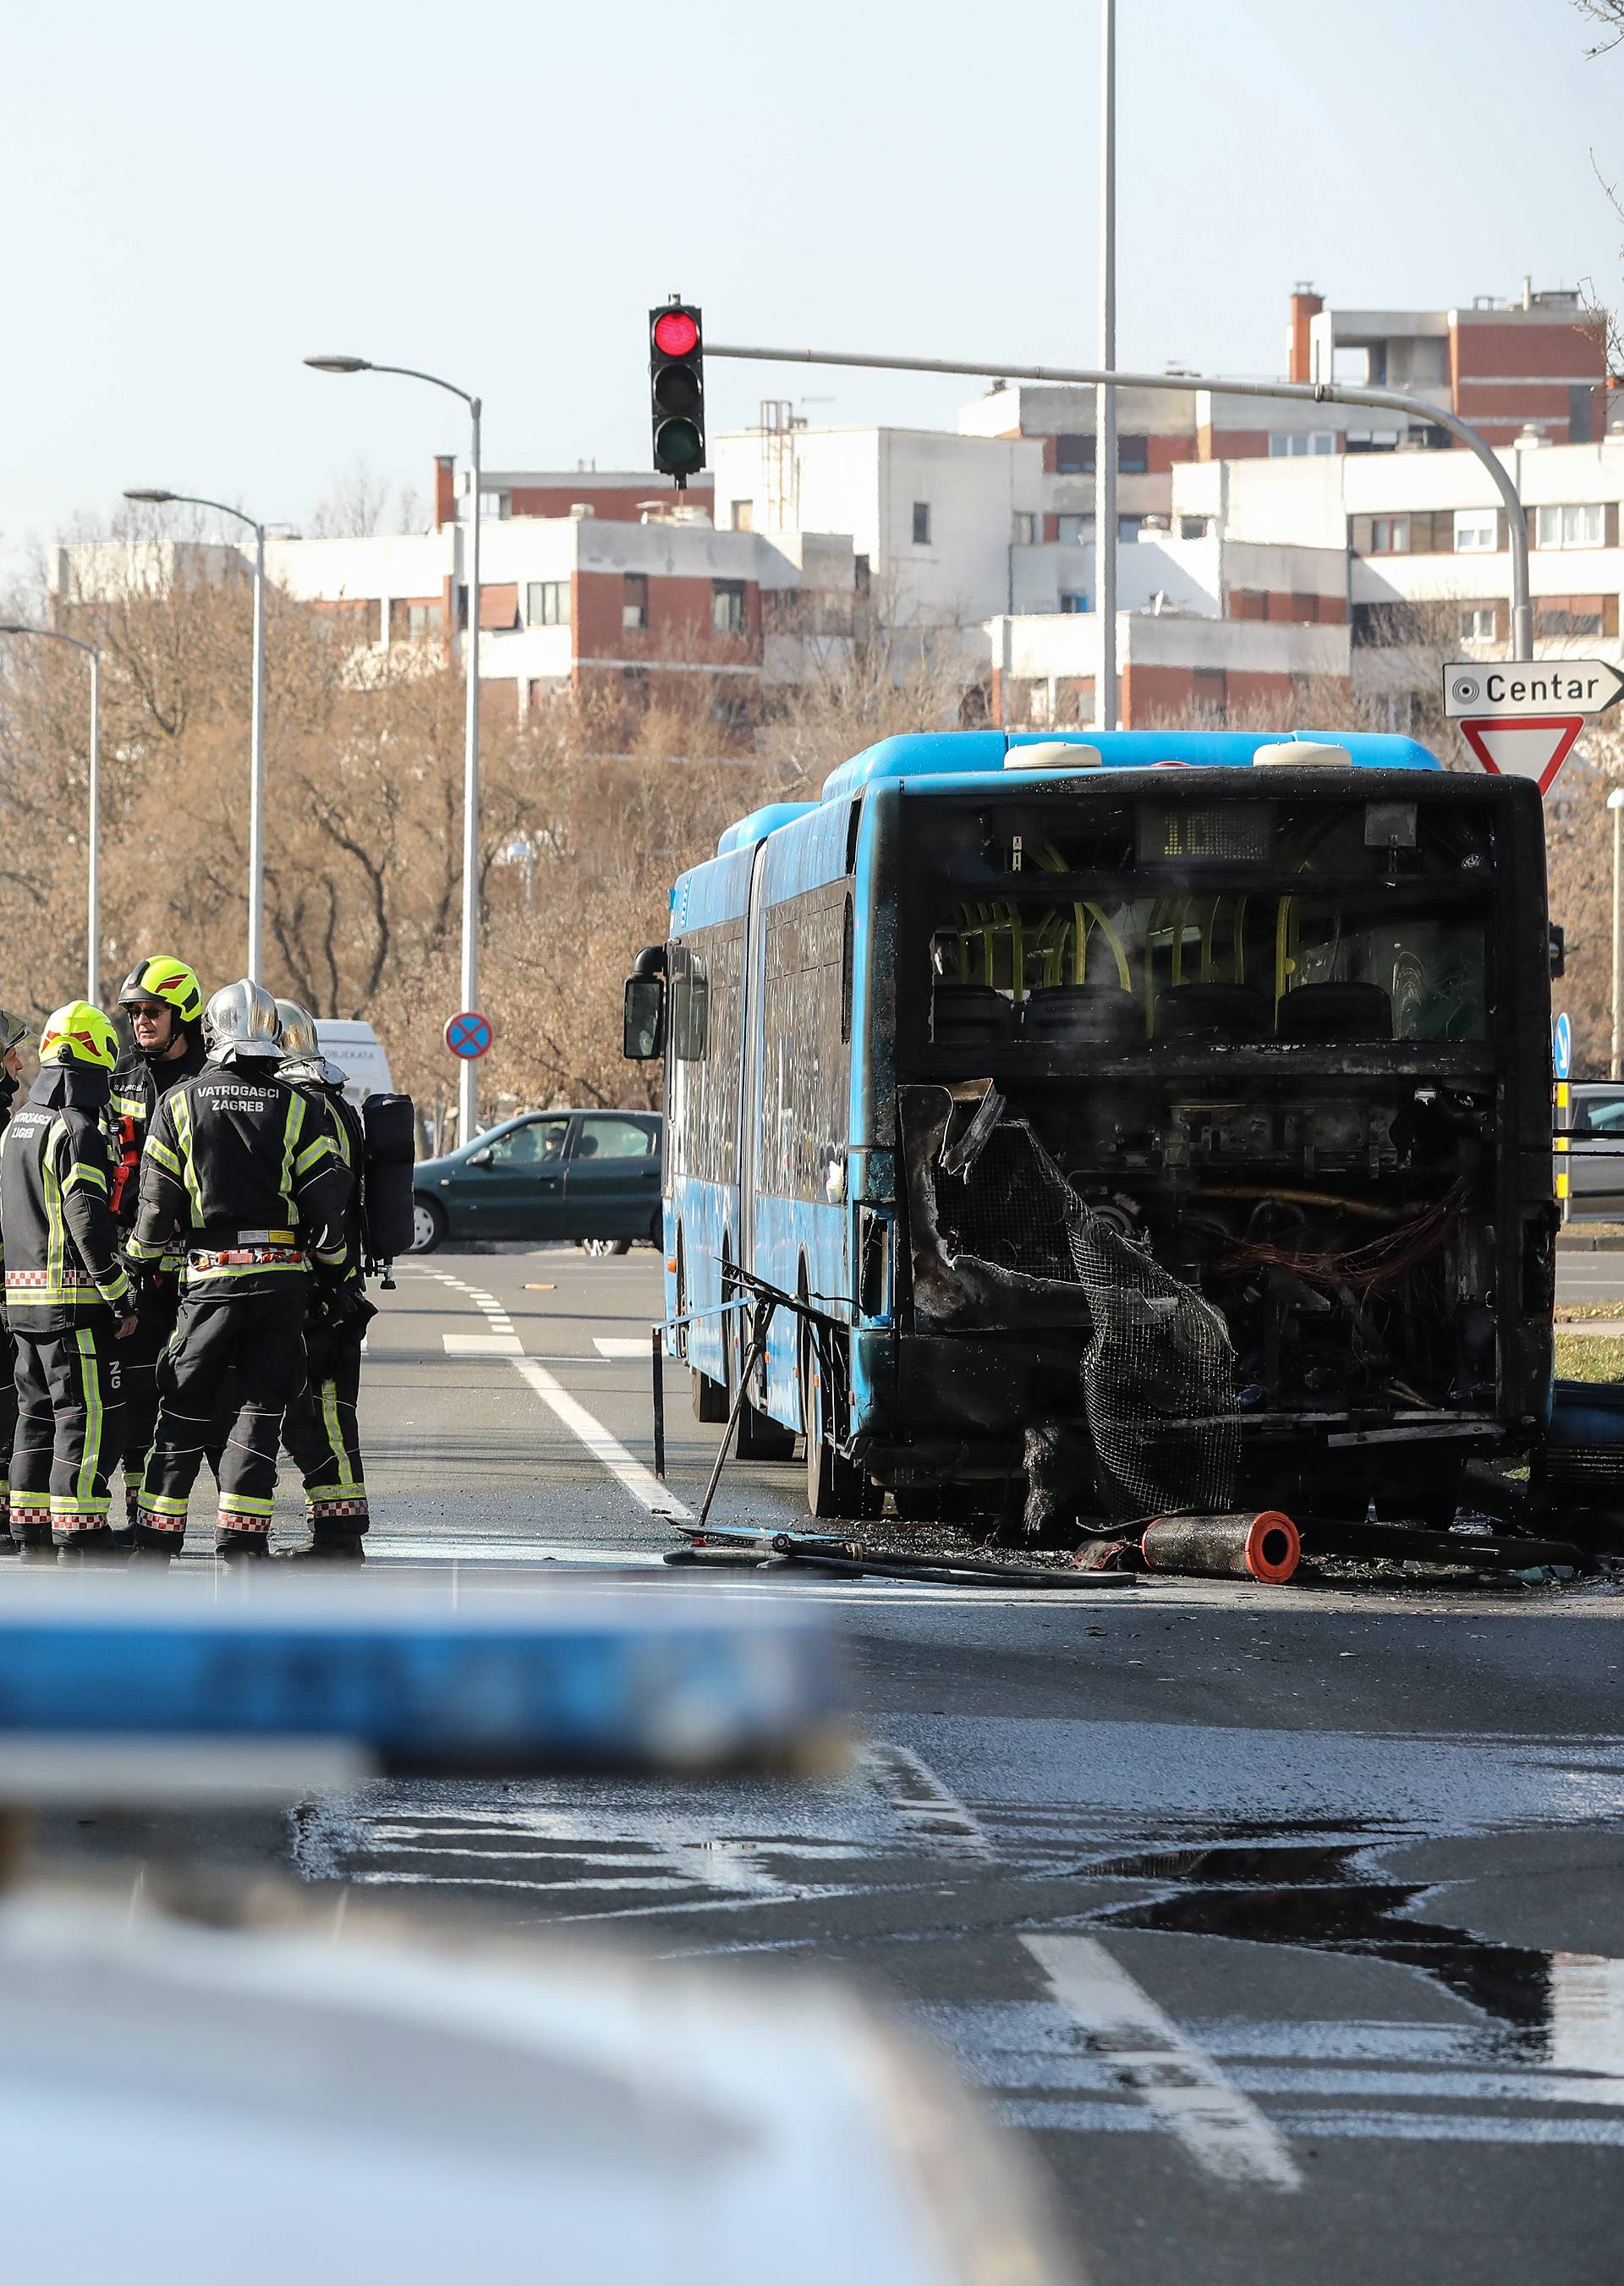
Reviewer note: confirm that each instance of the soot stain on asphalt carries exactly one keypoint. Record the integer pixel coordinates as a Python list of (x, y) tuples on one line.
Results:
[(1326, 1897)]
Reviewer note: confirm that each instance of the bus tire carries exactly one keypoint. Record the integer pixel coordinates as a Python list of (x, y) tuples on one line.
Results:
[(835, 1485)]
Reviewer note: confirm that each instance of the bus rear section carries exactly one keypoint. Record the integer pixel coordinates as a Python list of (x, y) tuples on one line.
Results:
[(1221, 1108)]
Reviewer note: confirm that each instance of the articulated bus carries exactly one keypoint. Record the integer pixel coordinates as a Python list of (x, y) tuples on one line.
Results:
[(1239, 1045)]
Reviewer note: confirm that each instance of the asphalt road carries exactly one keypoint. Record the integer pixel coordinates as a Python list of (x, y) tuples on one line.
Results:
[(1287, 1925)]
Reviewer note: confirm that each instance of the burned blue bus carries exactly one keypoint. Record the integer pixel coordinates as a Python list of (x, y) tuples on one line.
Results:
[(1162, 1118)]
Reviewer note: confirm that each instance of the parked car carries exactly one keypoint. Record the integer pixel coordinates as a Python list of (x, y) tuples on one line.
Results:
[(592, 1176), (1596, 1167)]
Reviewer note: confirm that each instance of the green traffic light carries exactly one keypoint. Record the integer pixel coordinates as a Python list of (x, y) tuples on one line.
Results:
[(678, 448)]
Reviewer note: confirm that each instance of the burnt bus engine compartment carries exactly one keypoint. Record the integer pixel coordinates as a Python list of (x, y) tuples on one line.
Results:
[(1340, 1178)]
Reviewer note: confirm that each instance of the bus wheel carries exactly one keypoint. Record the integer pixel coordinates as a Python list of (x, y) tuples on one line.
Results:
[(835, 1485)]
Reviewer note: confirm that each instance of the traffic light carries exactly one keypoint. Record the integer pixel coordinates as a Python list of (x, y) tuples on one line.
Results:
[(677, 391)]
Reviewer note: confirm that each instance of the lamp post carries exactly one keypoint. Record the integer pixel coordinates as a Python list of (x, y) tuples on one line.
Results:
[(92, 918), (1615, 803), (1105, 394), (155, 498), (468, 1117)]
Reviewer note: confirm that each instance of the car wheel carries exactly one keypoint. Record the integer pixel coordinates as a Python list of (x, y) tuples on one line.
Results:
[(427, 1225), (600, 1248)]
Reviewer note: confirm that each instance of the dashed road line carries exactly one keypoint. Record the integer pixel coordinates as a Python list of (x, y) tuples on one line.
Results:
[(1223, 2131)]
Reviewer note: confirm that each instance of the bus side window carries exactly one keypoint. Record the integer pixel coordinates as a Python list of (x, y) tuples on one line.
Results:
[(690, 1007), (846, 932)]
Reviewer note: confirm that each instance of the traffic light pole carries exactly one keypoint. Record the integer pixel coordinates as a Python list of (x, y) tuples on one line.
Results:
[(1310, 392)]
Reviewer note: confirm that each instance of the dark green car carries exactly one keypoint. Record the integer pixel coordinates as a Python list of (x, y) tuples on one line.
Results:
[(592, 1176)]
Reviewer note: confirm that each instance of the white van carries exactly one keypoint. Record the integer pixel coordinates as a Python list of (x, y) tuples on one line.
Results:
[(359, 1052)]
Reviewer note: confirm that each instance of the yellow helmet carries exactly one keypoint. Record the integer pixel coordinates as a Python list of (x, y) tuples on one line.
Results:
[(164, 978), (79, 1034)]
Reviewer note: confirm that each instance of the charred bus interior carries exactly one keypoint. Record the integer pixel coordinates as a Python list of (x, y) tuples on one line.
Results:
[(1224, 1176)]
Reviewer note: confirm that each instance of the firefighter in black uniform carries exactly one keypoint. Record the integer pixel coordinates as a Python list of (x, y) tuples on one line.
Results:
[(320, 1428), (164, 1008), (68, 1295), (248, 1175), (13, 1030)]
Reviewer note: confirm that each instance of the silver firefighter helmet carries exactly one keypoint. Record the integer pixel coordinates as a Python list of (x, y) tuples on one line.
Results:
[(13, 1030), (296, 1029), (240, 1020)]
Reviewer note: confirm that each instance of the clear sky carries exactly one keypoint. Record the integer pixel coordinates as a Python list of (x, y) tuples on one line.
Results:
[(196, 195)]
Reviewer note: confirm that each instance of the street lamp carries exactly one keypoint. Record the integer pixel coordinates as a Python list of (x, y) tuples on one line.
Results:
[(467, 1093), (1615, 803), (93, 930), (153, 496)]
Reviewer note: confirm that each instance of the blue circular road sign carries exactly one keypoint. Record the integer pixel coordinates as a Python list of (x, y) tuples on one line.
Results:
[(468, 1034), (1561, 1046)]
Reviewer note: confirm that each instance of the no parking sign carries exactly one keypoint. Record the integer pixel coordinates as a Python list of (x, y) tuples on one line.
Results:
[(468, 1034)]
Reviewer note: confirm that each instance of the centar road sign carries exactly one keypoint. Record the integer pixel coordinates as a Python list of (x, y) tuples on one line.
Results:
[(1561, 1046), (1507, 689), (468, 1034)]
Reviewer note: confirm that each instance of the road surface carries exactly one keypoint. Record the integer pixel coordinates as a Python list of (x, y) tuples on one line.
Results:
[(1287, 1925)]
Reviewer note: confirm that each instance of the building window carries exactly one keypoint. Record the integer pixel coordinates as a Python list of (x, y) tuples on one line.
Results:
[(742, 516), (921, 523), (1073, 531), (410, 622), (1476, 531), (1024, 529), (1072, 599), (1558, 616), (634, 600), (1582, 526), (546, 603), (495, 504), (1389, 535), (1211, 688), (1196, 527), (1128, 527), (728, 606), (1477, 623), (635, 682), (1074, 456), (1134, 456), (1300, 444)]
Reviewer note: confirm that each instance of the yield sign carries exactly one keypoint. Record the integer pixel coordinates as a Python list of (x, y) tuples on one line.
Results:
[(1524, 746)]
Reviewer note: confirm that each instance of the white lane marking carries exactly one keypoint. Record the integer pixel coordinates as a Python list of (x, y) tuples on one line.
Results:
[(621, 1346), (925, 1809), (451, 1547), (644, 1485), (482, 1345), (1224, 2132), (1587, 2018)]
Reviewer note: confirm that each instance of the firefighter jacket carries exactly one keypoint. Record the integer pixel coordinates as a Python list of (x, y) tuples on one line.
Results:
[(62, 1268), (247, 1174), (137, 1088)]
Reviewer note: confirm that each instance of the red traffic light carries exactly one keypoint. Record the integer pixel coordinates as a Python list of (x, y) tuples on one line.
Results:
[(675, 334)]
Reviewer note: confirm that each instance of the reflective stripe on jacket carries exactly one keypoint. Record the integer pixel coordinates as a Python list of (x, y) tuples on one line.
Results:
[(62, 1269)]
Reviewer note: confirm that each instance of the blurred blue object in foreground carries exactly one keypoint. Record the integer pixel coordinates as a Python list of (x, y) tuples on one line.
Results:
[(408, 1682)]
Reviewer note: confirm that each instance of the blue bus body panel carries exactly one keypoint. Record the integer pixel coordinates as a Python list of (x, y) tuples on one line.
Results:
[(804, 846), (959, 753)]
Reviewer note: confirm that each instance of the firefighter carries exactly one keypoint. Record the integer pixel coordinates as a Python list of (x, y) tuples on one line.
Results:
[(321, 1430), (67, 1295), (247, 1174), (13, 1030), (164, 1007)]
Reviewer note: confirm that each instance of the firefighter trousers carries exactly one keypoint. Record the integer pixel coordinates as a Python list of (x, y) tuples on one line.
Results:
[(69, 1390), (254, 1344), (322, 1434), (159, 1301), (8, 1427)]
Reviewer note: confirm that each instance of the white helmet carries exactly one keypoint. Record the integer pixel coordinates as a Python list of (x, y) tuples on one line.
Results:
[(240, 1020)]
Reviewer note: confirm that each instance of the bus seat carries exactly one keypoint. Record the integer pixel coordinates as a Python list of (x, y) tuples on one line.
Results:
[(1085, 1015), (965, 1015), (1336, 1011), (1210, 1012)]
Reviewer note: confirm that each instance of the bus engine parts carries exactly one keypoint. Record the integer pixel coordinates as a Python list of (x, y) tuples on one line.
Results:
[(1263, 1547)]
